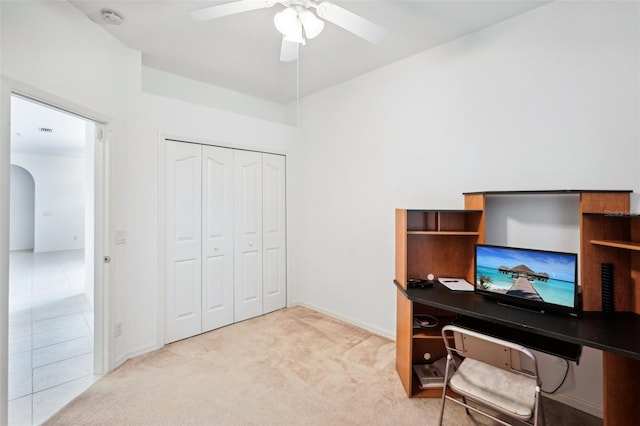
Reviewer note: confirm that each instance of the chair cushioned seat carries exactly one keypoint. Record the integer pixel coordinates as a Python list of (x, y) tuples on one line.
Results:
[(507, 392)]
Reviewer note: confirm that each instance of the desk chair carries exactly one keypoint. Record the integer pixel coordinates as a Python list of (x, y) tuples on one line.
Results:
[(494, 373)]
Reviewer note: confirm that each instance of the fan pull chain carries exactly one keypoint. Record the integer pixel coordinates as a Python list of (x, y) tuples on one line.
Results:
[(298, 90)]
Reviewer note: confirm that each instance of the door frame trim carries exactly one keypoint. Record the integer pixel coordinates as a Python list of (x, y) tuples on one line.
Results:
[(103, 343)]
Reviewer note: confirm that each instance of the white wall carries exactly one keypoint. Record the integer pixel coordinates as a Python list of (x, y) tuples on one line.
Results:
[(547, 100), (59, 200), (51, 51), (22, 222), (141, 304), (172, 86)]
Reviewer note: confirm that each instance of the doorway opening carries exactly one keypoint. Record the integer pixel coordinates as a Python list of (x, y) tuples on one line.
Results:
[(51, 259)]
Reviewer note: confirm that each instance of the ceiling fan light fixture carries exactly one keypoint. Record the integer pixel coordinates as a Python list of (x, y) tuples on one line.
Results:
[(297, 24), (296, 36), (286, 21), (312, 25)]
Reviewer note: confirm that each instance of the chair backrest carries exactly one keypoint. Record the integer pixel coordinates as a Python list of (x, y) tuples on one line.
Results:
[(490, 350)]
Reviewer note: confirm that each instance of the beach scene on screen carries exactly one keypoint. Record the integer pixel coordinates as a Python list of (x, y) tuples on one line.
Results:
[(549, 277)]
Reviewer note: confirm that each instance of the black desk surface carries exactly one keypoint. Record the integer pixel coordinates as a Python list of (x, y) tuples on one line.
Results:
[(617, 332)]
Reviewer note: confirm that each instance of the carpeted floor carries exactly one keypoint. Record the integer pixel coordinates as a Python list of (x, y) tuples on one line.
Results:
[(294, 366)]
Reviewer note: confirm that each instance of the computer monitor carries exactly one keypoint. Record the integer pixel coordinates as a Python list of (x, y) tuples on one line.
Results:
[(540, 280)]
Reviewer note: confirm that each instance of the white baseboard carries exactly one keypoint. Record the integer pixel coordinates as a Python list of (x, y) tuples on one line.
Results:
[(374, 330), (136, 352)]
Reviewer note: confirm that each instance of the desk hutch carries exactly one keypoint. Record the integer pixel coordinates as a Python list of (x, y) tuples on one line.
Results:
[(442, 242)]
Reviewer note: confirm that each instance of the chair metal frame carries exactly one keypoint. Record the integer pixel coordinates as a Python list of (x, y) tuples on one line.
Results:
[(493, 354)]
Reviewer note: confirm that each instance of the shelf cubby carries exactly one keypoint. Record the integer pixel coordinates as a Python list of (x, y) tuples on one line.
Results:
[(438, 242), (447, 222)]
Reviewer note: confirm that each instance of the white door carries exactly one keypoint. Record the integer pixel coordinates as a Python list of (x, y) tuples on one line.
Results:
[(274, 257), (217, 237), (248, 234), (183, 241)]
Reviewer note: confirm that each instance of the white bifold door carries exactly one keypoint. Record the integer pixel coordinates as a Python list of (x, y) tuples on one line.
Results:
[(225, 237), (274, 239), (217, 237)]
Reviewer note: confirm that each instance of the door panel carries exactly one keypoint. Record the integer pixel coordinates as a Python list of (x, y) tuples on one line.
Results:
[(271, 274), (187, 198), (217, 243), (183, 241), (274, 233), (214, 293), (184, 300), (248, 234), (249, 283)]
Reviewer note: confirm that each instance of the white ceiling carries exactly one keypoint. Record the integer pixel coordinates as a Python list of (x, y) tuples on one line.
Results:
[(67, 136), (241, 52)]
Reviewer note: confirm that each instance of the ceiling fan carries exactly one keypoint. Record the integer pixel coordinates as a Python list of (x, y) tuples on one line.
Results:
[(297, 22)]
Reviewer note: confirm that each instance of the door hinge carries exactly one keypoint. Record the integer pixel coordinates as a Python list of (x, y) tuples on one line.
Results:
[(99, 133)]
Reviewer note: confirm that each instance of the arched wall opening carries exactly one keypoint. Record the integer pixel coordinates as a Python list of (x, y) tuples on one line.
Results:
[(22, 211)]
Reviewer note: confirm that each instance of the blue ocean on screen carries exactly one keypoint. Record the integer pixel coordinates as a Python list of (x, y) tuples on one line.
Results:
[(551, 275), (552, 291)]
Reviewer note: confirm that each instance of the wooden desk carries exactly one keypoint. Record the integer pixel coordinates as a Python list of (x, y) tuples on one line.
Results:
[(616, 334), (441, 242)]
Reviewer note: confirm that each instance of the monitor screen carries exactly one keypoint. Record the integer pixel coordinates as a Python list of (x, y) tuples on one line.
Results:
[(538, 279)]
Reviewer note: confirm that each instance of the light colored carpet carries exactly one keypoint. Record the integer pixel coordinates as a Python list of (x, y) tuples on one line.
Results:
[(291, 367)]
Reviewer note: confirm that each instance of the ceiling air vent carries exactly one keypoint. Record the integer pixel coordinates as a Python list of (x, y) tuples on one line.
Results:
[(45, 129)]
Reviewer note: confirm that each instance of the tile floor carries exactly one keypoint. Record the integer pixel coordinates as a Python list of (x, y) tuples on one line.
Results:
[(50, 334)]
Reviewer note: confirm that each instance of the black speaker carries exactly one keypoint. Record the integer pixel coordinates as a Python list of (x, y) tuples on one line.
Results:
[(608, 289)]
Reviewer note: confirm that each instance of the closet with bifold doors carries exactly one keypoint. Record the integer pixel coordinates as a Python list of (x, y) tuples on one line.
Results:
[(225, 237)]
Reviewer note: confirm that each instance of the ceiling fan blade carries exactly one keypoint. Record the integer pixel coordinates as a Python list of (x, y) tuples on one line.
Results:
[(288, 51), (232, 8), (351, 22)]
